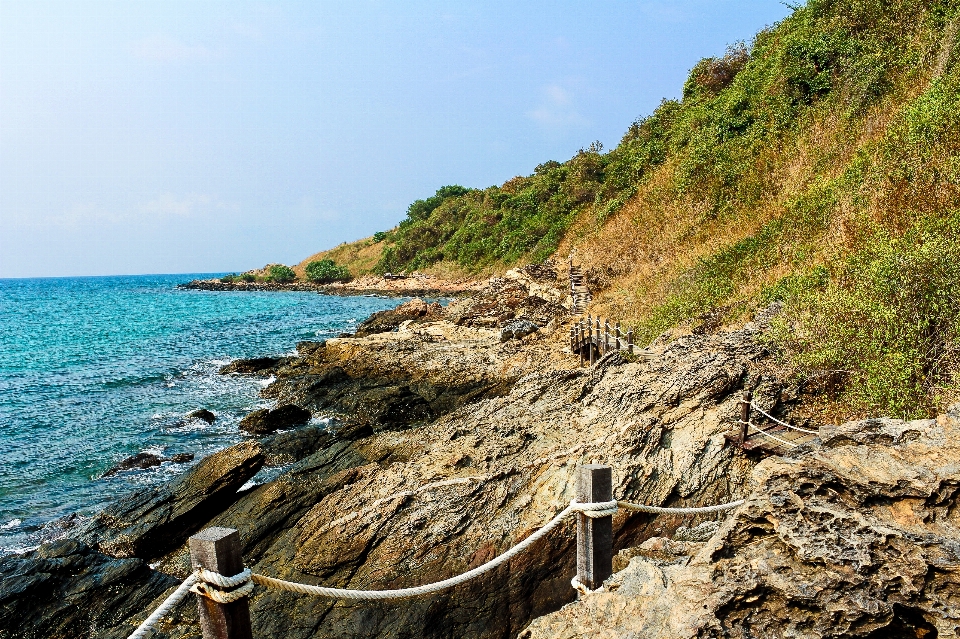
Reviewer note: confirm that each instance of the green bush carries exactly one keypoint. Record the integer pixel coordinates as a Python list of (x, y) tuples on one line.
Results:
[(380, 236), (247, 277), (280, 274), (326, 271), (890, 319), (229, 279)]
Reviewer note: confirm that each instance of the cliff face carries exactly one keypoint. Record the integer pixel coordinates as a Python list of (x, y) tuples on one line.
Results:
[(859, 537)]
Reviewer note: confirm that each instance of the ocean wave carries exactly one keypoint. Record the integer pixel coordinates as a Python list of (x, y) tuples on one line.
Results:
[(13, 523)]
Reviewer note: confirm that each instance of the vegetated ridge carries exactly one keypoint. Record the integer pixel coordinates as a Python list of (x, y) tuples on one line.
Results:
[(816, 165)]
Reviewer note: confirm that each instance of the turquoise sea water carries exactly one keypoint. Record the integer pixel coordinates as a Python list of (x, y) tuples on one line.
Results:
[(95, 369)]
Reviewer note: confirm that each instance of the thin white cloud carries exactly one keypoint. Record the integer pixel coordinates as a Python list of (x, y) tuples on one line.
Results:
[(163, 208), (162, 48), (557, 110)]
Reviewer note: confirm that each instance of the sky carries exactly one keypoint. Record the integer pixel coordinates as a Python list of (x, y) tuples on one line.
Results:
[(197, 136)]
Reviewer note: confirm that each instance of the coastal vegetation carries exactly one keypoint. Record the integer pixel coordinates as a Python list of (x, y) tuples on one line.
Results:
[(326, 271), (817, 166)]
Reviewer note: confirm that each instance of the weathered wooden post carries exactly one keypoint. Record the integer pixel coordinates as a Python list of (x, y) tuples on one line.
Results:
[(630, 340), (606, 335), (618, 336), (594, 535), (745, 416), (598, 333), (218, 549)]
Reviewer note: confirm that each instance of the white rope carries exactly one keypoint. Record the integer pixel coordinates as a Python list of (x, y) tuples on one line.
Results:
[(774, 419), (763, 432), (224, 596), (216, 579), (680, 511), (210, 584), (401, 593), (146, 628)]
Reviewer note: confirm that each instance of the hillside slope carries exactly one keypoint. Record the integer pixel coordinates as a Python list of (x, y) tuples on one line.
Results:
[(817, 165)]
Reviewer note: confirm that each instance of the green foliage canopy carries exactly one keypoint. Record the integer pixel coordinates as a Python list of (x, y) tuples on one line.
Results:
[(326, 271)]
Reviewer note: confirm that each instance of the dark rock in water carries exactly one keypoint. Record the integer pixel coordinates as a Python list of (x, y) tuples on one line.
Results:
[(147, 460), (390, 320), (294, 445), (203, 414), (149, 522), (255, 365), (66, 589), (266, 421), (517, 329), (140, 460)]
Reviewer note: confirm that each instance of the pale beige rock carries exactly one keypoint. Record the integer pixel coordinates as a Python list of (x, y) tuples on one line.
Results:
[(857, 538)]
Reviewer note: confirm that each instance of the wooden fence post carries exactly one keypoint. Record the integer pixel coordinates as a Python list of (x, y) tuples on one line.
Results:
[(630, 341), (606, 336), (618, 336), (594, 536), (745, 416), (218, 549)]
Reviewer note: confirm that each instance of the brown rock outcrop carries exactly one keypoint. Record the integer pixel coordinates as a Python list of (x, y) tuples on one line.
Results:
[(857, 538), (400, 508), (416, 310)]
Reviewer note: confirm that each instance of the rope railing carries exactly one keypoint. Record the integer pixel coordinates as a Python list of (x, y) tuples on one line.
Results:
[(228, 590), (777, 421), (765, 433)]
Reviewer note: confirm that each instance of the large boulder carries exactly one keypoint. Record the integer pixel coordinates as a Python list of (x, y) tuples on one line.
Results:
[(266, 421), (149, 522), (416, 310)]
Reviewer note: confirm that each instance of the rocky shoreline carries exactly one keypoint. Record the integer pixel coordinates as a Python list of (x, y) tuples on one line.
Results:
[(454, 436), (414, 285)]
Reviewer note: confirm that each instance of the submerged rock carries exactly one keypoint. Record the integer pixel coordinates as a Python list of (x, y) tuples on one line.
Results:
[(140, 460), (266, 421), (254, 365), (203, 414), (146, 460), (149, 522)]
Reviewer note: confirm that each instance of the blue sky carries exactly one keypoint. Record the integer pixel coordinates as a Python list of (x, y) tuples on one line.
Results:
[(173, 137)]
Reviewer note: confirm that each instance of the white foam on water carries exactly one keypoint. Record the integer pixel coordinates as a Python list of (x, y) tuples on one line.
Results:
[(266, 382), (13, 523), (16, 550), (154, 450)]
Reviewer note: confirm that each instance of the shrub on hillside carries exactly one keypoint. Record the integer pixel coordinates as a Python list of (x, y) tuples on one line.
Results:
[(280, 274), (890, 319), (326, 271), (247, 277)]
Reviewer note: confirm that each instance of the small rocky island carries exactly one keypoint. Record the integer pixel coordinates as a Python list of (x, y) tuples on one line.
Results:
[(454, 435)]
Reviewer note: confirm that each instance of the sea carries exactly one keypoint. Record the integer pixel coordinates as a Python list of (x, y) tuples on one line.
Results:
[(95, 369)]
